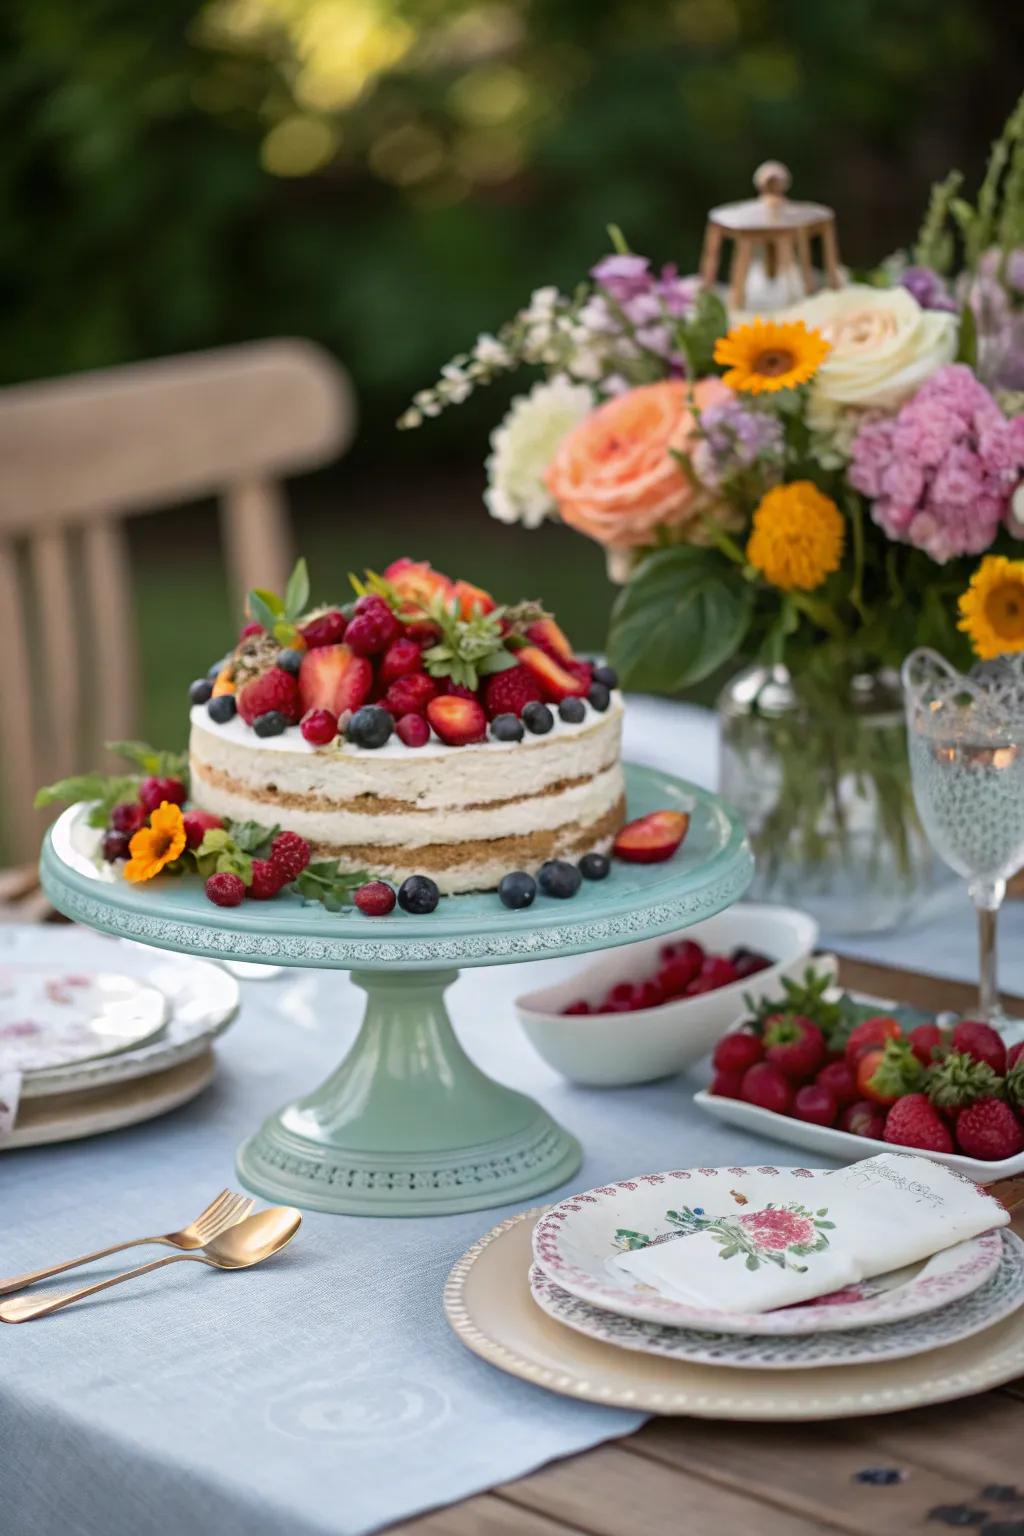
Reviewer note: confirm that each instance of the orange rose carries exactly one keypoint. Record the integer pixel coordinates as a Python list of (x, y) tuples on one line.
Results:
[(614, 477)]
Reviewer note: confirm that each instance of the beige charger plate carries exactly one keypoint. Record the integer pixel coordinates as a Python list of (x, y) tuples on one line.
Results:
[(70, 1116), (487, 1302)]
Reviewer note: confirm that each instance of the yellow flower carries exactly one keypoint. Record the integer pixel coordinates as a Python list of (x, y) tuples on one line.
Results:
[(798, 535), (768, 355), (156, 845), (992, 608)]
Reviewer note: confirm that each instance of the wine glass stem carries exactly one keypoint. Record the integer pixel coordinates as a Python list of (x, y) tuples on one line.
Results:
[(987, 897)]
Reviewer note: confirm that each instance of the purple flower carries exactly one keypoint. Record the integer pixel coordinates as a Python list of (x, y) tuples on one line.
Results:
[(622, 277), (927, 288), (733, 437), (942, 470)]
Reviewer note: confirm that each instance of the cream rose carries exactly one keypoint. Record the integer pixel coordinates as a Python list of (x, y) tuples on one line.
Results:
[(883, 344)]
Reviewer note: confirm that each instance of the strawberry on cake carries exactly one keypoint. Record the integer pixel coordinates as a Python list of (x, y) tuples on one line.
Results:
[(420, 729)]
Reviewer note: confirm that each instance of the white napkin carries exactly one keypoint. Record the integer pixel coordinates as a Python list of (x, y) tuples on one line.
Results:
[(860, 1221), (10, 1093)]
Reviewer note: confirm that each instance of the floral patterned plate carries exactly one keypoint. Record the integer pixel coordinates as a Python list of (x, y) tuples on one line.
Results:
[(1000, 1295), (52, 1017), (575, 1242)]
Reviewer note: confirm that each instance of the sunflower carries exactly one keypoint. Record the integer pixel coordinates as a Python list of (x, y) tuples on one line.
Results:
[(157, 845), (992, 608), (768, 355), (797, 538)]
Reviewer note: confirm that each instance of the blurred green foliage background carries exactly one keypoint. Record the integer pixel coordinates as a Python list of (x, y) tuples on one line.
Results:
[(389, 177)]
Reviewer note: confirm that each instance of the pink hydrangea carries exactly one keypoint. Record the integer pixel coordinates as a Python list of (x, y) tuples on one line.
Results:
[(942, 470)]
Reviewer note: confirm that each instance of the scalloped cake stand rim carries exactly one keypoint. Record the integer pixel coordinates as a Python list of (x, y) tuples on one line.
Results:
[(178, 917), (405, 1140)]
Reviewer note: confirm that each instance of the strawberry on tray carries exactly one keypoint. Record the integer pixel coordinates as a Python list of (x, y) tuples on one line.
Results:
[(847, 1076)]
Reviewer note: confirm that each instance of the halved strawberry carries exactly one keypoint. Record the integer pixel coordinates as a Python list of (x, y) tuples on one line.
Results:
[(550, 638), (472, 599), (333, 677), (555, 681), (416, 583), (652, 838), (273, 689), (457, 721)]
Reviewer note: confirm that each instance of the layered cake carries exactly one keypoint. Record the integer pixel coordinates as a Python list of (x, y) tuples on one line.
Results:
[(422, 729)]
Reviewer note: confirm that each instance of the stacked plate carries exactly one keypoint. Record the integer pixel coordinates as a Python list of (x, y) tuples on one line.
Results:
[(95, 1035), (936, 1329)]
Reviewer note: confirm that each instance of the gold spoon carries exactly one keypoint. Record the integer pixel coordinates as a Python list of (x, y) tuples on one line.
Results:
[(240, 1247)]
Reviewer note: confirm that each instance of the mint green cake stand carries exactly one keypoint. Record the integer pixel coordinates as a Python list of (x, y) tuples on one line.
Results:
[(407, 1125)]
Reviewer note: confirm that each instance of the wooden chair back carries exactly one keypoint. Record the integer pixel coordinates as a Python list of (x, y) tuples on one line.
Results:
[(81, 454)]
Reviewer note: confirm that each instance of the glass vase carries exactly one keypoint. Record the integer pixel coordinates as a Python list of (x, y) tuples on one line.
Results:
[(820, 773)]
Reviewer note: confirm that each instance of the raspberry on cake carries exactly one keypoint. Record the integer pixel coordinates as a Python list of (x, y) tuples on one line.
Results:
[(444, 735)]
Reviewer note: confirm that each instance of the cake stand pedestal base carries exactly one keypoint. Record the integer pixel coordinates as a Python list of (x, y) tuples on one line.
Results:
[(407, 1125)]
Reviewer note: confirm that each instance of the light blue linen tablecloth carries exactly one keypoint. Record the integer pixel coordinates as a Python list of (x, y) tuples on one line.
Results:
[(323, 1394)]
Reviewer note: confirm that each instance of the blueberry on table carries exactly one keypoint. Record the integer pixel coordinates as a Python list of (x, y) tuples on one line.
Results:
[(572, 710), (199, 692), (418, 895), (538, 718), (606, 675), (289, 660), (595, 866), (273, 723), (370, 727), (599, 697), (222, 708), (517, 890), (559, 878), (507, 728)]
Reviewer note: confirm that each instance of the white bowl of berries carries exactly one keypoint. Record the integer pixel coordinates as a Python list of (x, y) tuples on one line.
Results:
[(649, 1010), (848, 1077)]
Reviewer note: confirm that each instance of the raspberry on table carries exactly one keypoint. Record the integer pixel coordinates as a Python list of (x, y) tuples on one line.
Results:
[(225, 889), (289, 853)]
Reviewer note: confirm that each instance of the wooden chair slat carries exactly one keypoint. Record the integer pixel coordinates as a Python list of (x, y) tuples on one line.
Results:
[(19, 757), (55, 599), (256, 544), (162, 433), (108, 584)]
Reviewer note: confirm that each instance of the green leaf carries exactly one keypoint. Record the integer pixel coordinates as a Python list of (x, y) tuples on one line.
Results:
[(684, 611), (250, 836), (263, 611), (498, 661), (699, 334), (296, 593), (82, 786), (967, 348)]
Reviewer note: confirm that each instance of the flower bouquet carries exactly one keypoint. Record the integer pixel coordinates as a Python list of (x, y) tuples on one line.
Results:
[(801, 495)]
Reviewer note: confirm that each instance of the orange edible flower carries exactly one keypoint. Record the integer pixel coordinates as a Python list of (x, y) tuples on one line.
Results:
[(157, 845)]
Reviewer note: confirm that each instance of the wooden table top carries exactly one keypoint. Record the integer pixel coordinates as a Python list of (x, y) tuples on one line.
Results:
[(929, 1470)]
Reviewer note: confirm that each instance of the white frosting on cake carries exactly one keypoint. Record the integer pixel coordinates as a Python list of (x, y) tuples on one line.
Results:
[(476, 811)]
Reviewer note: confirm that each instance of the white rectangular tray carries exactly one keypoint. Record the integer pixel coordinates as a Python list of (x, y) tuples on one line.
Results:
[(842, 1145)]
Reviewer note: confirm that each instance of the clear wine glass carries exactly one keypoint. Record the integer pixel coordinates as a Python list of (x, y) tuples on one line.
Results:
[(966, 743)]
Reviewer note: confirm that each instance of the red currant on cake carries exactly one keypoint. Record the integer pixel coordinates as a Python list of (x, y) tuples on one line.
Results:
[(319, 726), (289, 853), (413, 730)]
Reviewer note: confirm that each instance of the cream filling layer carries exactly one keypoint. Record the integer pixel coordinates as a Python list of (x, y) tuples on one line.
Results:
[(431, 778), (579, 803)]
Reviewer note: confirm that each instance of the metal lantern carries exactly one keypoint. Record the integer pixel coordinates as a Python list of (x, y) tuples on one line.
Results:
[(772, 260)]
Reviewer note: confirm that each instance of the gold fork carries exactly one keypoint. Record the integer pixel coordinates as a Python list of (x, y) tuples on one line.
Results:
[(226, 1211)]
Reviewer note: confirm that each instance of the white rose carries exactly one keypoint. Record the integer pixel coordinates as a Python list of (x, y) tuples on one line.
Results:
[(883, 344), (524, 445)]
